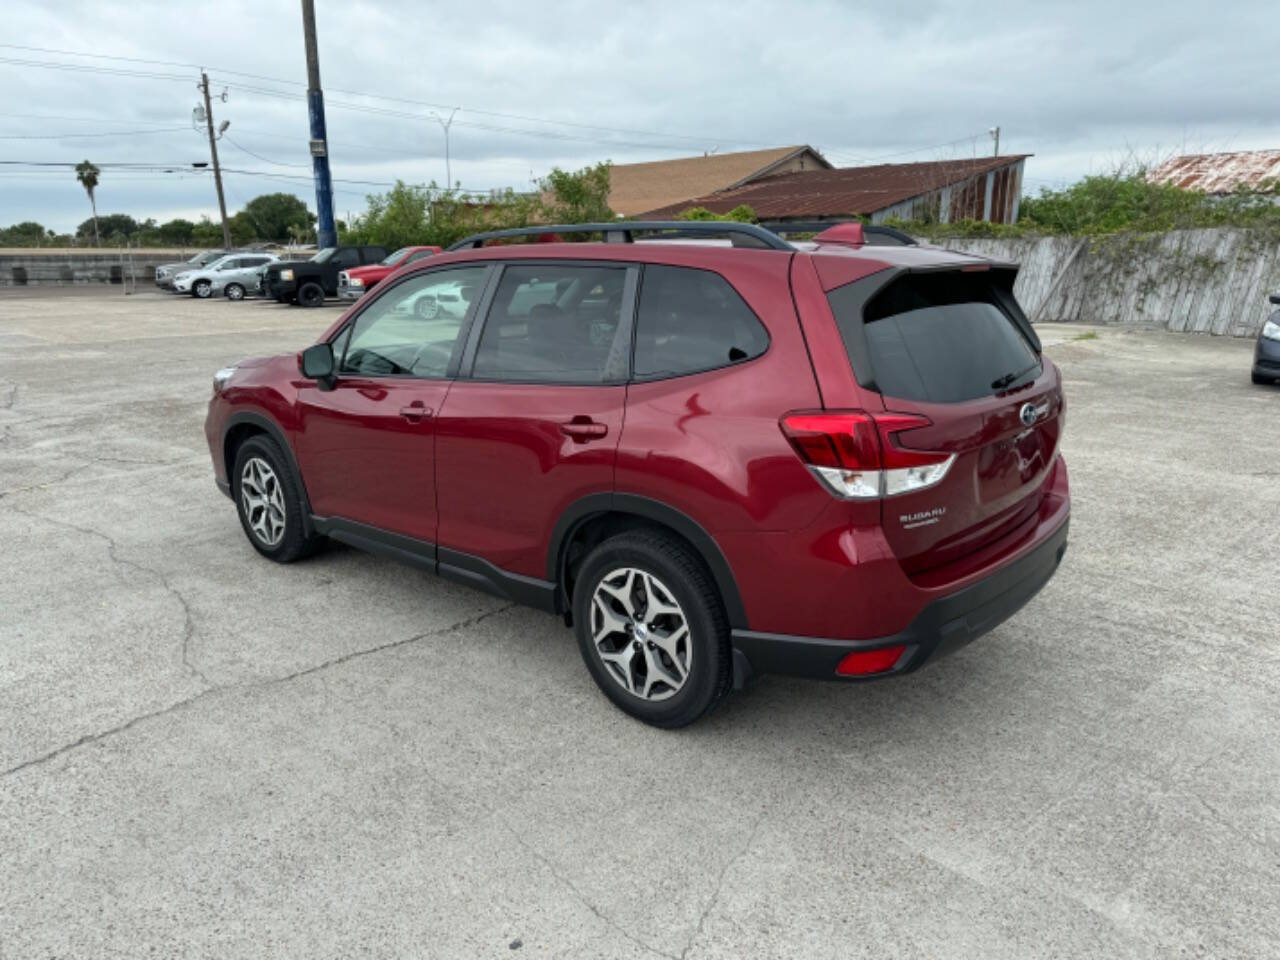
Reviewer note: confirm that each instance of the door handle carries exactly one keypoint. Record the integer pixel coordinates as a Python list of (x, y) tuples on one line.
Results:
[(415, 412), (582, 429)]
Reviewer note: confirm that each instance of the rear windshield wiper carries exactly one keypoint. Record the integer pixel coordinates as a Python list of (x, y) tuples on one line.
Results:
[(1001, 382)]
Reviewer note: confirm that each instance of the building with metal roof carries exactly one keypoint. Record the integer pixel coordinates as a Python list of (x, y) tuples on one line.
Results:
[(637, 187), (1221, 173), (978, 188)]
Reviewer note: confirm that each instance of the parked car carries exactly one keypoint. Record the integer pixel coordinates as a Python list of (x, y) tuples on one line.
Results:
[(309, 282), (167, 271), (1266, 355), (356, 282), (212, 279), (825, 459)]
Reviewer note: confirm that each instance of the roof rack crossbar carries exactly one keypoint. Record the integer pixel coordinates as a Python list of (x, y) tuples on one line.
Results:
[(623, 231)]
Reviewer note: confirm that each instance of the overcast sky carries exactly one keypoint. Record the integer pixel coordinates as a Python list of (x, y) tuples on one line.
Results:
[(1082, 86)]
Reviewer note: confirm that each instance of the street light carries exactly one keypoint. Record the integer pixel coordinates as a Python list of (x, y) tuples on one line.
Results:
[(445, 125)]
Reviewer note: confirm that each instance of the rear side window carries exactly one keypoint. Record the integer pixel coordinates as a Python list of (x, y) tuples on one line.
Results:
[(691, 320), (552, 323), (936, 337)]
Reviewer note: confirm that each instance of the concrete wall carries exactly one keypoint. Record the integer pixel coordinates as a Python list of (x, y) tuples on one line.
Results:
[(55, 267), (1204, 281)]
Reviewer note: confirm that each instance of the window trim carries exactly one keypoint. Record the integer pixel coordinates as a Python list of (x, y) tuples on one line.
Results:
[(626, 321), (659, 377), (384, 289)]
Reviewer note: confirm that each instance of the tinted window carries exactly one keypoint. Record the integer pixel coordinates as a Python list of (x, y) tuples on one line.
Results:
[(691, 320), (418, 256), (555, 324), (937, 337), (346, 258), (413, 327)]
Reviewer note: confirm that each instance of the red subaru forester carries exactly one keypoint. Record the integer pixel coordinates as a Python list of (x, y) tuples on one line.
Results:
[(714, 457)]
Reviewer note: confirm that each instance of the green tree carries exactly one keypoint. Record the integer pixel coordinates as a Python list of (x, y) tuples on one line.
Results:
[(26, 234), (176, 232), (740, 214), (87, 174), (273, 216), (580, 196), (206, 233), (115, 228)]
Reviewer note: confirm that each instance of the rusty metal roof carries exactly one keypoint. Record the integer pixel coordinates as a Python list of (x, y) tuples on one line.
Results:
[(846, 192), (1219, 172)]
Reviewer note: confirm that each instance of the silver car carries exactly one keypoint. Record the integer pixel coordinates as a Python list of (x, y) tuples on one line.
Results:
[(232, 275), (167, 271)]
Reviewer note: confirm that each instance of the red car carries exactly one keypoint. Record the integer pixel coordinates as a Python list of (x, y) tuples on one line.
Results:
[(355, 282), (831, 459)]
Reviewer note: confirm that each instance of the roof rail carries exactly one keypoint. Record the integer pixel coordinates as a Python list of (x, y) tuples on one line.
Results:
[(623, 231), (894, 237)]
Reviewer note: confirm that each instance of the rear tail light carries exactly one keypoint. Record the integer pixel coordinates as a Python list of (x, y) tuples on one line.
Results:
[(860, 663), (856, 457)]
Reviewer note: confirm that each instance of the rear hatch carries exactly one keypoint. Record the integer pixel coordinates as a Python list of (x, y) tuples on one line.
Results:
[(953, 347)]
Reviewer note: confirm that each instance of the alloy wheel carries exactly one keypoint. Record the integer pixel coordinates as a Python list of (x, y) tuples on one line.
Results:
[(641, 634), (235, 292), (262, 498), (203, 289)]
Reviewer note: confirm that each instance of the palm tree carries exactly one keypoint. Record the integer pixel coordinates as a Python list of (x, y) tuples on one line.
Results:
[(87, 174)]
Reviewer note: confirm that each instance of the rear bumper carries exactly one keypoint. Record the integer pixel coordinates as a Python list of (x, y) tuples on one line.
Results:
[(1266, 358), (942, 627)]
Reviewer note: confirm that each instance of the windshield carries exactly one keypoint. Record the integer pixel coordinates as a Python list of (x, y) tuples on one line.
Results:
[(396, 257), (324, 254)]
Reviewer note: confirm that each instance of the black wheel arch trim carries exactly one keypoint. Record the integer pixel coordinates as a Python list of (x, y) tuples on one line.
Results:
[(595, 504), (273, 430)]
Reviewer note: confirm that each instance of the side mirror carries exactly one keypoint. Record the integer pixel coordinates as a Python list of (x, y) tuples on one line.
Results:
[(1275, 298), (317, 364)]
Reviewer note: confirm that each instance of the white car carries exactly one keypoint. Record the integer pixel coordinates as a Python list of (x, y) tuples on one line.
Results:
[(233, 275)]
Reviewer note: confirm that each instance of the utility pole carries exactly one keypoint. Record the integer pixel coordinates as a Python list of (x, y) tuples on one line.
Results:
[(995, 135), (326, 232), (213, 150), (445, 125)]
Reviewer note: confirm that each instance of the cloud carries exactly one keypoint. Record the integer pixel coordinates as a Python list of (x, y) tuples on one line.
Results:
[(1081, 86)]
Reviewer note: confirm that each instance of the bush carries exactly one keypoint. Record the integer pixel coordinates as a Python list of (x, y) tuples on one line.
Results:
[(739, 214)]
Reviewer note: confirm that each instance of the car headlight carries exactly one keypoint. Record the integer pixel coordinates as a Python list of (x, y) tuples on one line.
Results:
[(355, 281), (1271, 330), (286, 274), (220, 379)]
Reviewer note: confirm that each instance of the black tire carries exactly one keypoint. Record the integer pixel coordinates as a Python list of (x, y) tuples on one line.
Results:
[(234, 291), (293, 543), (684, 576), (311, 295), (1260, 379), (202, 289)]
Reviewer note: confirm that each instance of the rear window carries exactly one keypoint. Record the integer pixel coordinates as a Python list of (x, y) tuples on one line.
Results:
[(936, 337)]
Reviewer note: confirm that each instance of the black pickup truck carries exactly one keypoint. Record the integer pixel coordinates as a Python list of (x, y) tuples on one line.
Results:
[(310, 281)]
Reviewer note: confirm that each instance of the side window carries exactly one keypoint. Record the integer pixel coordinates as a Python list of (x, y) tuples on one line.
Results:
[(233, 264), (421, 254), (411, 330), (691, 320), (554, 324), (251, 262), (339, 344), (348, 257)]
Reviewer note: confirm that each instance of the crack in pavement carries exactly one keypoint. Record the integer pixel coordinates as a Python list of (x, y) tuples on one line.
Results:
[(89, 462), (91, 738), (189, 627), (715, 894)]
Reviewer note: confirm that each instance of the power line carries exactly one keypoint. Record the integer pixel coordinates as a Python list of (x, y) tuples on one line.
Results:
[(701, 139), (80, 136)]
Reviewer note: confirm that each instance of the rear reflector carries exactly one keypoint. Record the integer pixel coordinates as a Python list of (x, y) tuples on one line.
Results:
[(854, 454), (863, 662)]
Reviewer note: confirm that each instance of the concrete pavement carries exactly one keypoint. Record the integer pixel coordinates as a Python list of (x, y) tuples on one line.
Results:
[(204, 754)]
